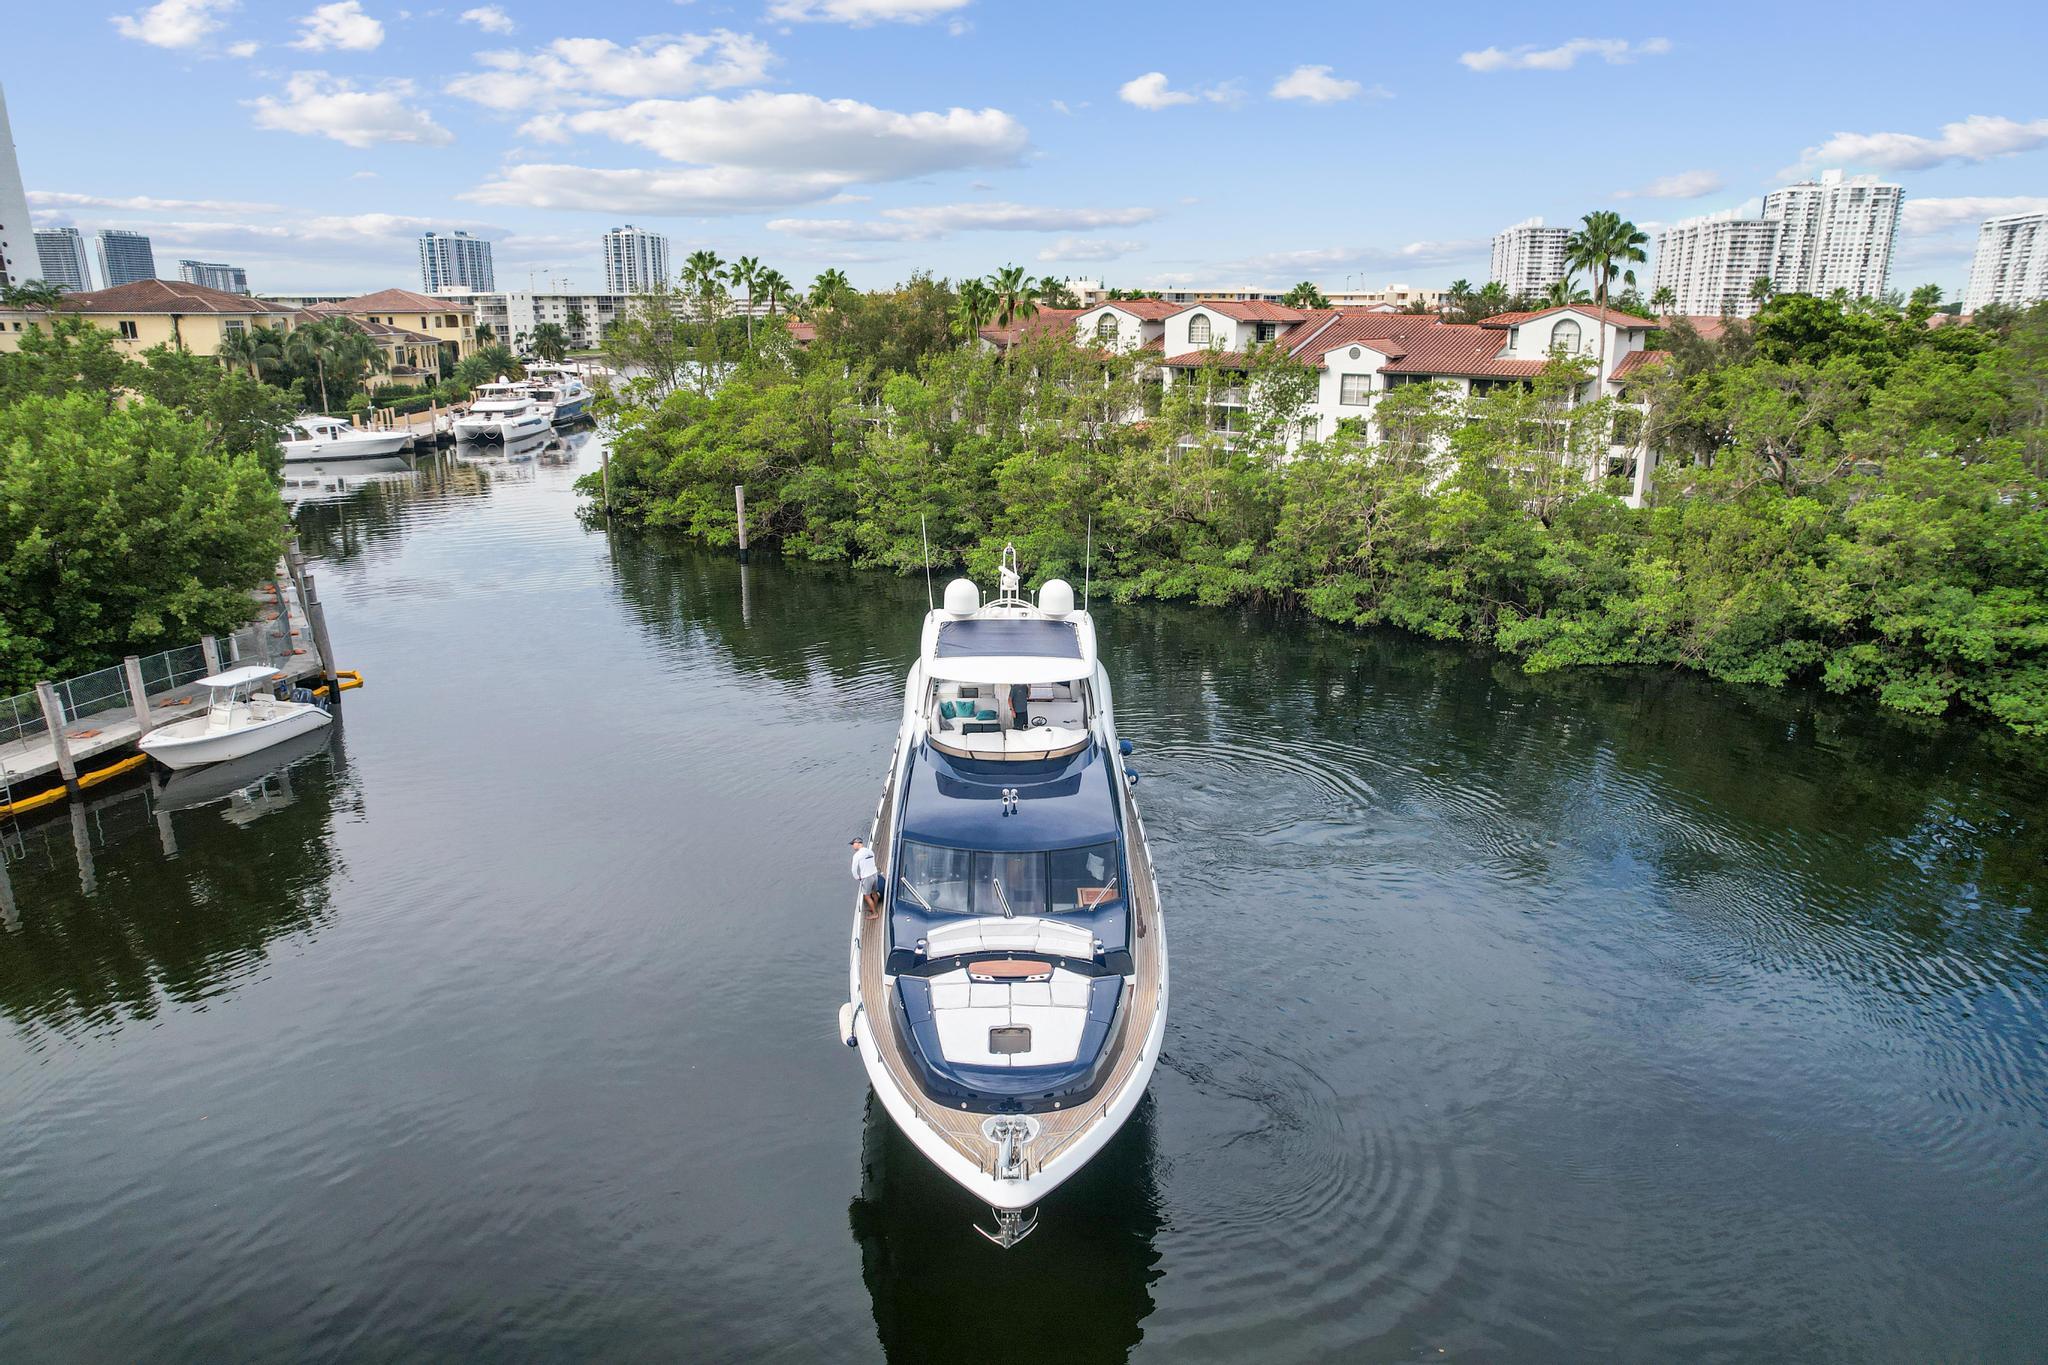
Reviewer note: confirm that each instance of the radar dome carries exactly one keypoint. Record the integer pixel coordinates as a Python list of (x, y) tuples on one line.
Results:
[(1056, 597), (963, 598)]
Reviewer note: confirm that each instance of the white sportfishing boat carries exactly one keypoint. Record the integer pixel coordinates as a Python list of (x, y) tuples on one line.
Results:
[(1009, 999), (314, 439), (561, 391), (237, 722), (504, 411)]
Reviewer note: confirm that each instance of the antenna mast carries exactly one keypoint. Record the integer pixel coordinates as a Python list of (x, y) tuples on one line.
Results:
[(930, 605)]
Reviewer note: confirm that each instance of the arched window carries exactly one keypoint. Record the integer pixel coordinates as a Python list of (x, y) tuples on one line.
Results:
[(1105, 327), (1565, 337), (1198, 330)]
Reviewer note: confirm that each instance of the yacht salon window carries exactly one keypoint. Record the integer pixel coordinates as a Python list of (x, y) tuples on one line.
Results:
[(954, 881)]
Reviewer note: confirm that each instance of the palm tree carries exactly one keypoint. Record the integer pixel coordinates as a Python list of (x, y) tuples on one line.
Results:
[(828, 289), (1761, 289), (260, 348), (1053, 293), (549, 341), (776, 286), (311, 345), (1458, 299), (575, 322), (1603, 242), (1565, 292), (1015, 296), (1491, 297), (746, 273), (974, 306), (485, 334), (1664, 298), (704, 275), (1305, 295)]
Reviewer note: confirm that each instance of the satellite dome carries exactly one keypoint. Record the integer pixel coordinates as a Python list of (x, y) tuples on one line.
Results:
[(1056, 597), (962, 597)]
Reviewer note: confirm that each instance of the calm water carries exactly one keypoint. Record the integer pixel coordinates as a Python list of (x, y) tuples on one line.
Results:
[(1554, 1019)]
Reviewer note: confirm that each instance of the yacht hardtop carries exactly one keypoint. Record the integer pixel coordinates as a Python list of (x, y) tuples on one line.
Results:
[(1010, 1000)]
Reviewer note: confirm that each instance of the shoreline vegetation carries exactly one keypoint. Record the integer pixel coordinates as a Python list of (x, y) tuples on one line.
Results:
[(1848, 496)]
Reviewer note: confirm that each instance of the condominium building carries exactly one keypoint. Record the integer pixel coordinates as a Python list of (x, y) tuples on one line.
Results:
[(125, 257), (1834, 233), (230, 279), (513, 315), (635, 262), (1713, 263), (65, 261), (2011, 265), (455, 260), (1528, 257), (18, 260)]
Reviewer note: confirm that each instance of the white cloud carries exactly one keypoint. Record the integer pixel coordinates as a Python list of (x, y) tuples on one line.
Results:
[(1315, 83), (1151, 91), (707, 191), (1683, 185), (581, 72), (925, 222), (1979, 137), (1563, 57), (341, 25), (317, 103), (1089, 249), (139, 203), (862, 13), (1922, 217), (244, 49), (846, 138), (489, 18), (173, 23)]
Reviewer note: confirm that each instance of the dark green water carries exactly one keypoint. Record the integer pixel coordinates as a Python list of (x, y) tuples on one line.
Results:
[(1593, 1017)]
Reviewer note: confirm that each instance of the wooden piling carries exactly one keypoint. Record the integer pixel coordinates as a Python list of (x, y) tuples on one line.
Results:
[(53, 716), (138, 695), (209, 649), (316, 621), (739, 502)]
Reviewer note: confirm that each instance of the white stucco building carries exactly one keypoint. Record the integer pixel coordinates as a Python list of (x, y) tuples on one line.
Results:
[(1528, 257), (2011, 264)]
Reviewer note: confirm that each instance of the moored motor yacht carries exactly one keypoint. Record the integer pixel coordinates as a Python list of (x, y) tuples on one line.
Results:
[(1009, 999), (314, 439), (503, 411), (561, 390), (239, 720)]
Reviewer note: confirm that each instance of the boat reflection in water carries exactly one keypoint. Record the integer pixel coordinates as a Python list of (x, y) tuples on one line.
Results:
[(255, 782), (1079, 1290)]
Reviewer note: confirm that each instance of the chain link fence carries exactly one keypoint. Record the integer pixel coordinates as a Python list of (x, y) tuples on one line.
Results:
[(21, 718), (173, 669), (90, 694)]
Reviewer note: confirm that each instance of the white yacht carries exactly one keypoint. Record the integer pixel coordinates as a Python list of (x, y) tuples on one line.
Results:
[(1009, 999), (329, 440), (561, 390), (238, 721), (503, 411)]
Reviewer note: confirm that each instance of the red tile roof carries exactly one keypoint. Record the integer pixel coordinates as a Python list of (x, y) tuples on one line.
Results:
[(1707, 325), (1637, 361), (1462, 350), (1037, 324), (405, 301), (1151, 310), (165, 296), (1950, 319), (803, 333), (1246, 310), (1612, 315), (1190, 360)]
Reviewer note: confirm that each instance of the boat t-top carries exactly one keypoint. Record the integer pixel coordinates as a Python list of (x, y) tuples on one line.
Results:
[(1010, 997), (314, 439), (239, 720), (502, 411), (561, 390)]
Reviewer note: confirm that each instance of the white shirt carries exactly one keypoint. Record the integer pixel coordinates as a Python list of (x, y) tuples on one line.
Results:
[(863, 863)]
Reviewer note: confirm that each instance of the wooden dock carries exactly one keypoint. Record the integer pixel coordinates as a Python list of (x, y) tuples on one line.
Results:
[(961, 1128)]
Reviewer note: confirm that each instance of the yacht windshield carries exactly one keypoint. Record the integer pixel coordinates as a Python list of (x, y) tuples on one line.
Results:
[(958, 881)]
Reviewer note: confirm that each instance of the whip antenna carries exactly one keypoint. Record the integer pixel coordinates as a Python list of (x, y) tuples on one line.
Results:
[(930, 605)]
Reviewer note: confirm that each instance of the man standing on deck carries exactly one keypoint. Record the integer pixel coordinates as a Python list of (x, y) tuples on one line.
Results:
[(868, 876)]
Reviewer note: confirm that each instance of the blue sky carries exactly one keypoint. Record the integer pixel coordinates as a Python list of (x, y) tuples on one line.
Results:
[(1144, 144)]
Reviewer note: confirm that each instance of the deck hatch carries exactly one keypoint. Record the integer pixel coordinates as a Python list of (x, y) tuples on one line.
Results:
[(1009, 1040)]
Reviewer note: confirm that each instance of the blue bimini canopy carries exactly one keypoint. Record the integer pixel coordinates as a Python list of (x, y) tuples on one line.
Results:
[(1012, 639)]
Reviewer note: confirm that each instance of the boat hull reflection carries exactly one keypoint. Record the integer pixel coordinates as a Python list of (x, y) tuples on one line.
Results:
[(218, 781)]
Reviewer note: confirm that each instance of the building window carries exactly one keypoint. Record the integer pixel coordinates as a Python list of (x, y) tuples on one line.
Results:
[(1266, 331), (1105, 328), (128, 330), (1198, 330), (1565, 337), (1355, 389), (233, 325)]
